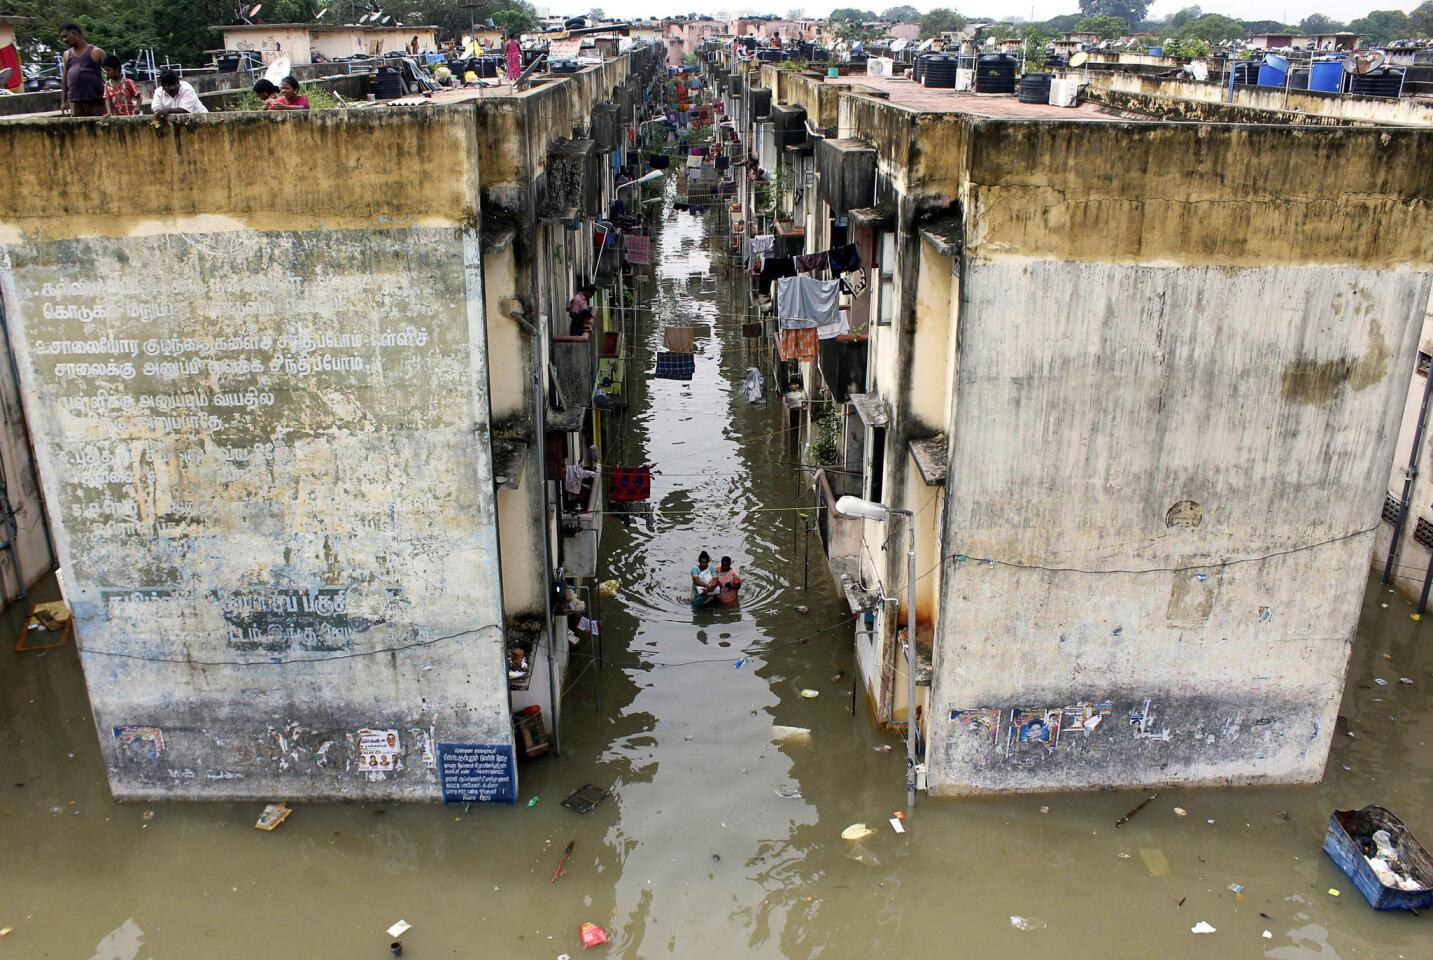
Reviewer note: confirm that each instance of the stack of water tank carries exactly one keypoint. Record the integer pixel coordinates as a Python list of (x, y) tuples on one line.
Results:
[(1382, 82), (995, 73), (940, 71), (1035, 87)]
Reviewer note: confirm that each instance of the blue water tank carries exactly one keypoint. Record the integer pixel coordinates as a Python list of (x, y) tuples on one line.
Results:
[(1326, 75), (1272, 71), (1156, 51)]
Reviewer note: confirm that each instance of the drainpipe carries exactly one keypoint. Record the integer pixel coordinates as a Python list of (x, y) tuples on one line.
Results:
[(1409, 473)]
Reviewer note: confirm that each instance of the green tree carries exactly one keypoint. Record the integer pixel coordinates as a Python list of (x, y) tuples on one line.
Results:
[(907, 15), (1130, 11), (1421, 17), (1381, 27), (940, 19), (1255, 27), (1189, 48), (1065, 22), (1105, 27), (1180, 17), (1212, 27), (850, 15), (1318, 23)]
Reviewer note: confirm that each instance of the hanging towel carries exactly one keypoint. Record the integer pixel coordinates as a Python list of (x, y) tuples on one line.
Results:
[(629, 484), (845, 257), (754, 384), (678, 339), (765, 243), (638, 249), (752, 331), (694, 160), (799, 345), (658, 161), (675, 366), (854, 281), (841, 327), (723, 161), (809, 302)]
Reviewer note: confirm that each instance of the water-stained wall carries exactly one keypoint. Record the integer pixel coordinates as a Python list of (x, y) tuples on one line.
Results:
[(253, 352), (1183, 352)]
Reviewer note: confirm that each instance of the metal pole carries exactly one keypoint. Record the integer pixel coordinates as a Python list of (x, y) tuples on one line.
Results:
[(805, 552), (910, 661), (1427, 583), (1408, 474)]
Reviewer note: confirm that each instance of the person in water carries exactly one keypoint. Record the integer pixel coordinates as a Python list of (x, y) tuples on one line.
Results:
[(704, 581), (728, 582)]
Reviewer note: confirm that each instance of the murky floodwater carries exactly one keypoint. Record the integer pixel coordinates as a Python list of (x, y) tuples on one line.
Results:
[(704, 848)]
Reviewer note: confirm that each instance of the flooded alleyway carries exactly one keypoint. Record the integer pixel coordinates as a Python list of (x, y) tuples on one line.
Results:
[(722, 833)]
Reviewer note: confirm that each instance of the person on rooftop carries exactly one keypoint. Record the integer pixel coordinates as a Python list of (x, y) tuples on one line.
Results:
[(265, 89), (175, 96), (120, 92), (289, 97), (81, 82)]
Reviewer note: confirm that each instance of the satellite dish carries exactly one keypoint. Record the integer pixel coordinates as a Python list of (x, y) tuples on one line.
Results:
[(388, 19), (255, 11), (1199, 70), (1078, 60), (278, 70), (899, 44), (319, 15), (1363, 62)]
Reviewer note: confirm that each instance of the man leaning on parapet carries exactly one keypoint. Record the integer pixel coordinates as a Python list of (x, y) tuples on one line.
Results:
[(81, 83)]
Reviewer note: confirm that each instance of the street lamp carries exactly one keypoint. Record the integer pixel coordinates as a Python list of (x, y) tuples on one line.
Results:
[(860, 509), (644, 178)]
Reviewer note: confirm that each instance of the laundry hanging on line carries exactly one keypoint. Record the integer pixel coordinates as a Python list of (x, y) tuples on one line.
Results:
[(804, 302), (638, 249), (801, 345), (678, 339), (844, 258), (629, 484), (764, 243), (854, 282), (752, 331), (812, 262), (675, 366)]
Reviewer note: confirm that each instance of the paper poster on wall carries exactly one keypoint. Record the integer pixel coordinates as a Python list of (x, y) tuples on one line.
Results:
[(140, 741), (379, 751), (1085, 717), (477, 773), (1029, 729), (983, 722)]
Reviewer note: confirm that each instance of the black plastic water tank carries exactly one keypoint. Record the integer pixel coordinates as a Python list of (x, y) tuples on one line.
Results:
[(1382, 82), (1299, 78), (1035, 87), (995, 73), (387, 84), (820, 55), (1246, 72), (770, 55), (940, 71), (562, 66)]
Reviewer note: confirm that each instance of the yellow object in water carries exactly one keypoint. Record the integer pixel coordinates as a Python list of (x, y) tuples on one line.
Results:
[(856, 831)]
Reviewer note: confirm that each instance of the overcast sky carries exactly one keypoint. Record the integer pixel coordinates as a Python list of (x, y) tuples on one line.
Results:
[(1283, 10)]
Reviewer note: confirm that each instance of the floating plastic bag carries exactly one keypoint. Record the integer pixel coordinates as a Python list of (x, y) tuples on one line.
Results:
[(593, 935)]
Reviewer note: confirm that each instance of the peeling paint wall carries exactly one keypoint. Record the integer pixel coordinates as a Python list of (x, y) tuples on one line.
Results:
[(1179, 380), (260, 406)]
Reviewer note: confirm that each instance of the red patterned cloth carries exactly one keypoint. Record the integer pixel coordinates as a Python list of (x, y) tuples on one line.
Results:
[(638, 248), (800, 344), (629, 484)]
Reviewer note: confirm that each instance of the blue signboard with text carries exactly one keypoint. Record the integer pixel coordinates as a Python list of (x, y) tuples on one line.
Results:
[(477, 773)]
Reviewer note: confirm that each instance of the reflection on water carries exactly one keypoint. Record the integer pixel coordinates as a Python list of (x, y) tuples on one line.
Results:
[(722, 834)]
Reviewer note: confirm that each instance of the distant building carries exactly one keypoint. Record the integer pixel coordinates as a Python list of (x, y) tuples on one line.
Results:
[(1340, 41), (1271, 41)]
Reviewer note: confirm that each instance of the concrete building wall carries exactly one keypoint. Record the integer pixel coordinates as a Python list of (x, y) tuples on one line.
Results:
[(290, 41), (1180, 376), (261, 414), (1411, 562), (32, 558)]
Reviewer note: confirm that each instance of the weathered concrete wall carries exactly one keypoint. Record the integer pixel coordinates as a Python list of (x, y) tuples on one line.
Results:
[(260, 407), (22, 486), (1179, 377), (1410, 564), (1331, 107)]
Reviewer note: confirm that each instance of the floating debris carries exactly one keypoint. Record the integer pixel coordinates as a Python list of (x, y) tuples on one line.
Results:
[(857, 831), (273, 815), (1026, 923), (1202, 927), (1130, 816)]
